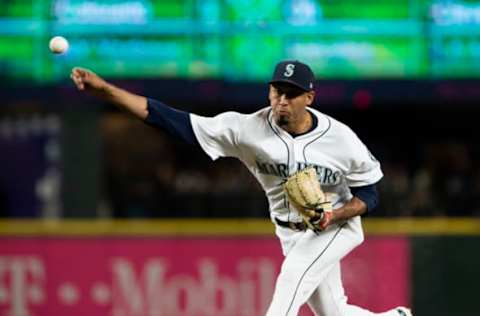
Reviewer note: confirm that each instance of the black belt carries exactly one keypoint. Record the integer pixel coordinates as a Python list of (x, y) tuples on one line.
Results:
[(300, 226)]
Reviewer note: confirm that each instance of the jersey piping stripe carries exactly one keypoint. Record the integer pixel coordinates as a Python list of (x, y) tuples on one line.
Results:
[(308, 268), (329, 125), (283, 141), (288, 158)]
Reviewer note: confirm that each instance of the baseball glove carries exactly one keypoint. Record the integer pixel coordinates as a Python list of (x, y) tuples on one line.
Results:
[(305, 194)]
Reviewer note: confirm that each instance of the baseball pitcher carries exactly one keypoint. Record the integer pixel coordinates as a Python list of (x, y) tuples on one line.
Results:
[(319, 178)]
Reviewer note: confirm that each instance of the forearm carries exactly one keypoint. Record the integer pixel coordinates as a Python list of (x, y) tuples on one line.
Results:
[(133, 103), (87, 80), (176, 123), (352, 208)]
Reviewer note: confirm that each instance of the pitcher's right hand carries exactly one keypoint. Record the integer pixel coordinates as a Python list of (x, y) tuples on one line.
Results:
[(87, 80)]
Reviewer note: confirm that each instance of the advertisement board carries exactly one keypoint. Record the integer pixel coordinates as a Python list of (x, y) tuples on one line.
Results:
[(162, 276)]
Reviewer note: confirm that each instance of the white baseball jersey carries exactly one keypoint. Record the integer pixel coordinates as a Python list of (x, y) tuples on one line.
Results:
[(272, 154)]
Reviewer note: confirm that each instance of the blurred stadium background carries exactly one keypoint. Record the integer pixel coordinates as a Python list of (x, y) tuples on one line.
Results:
[(102, 215)]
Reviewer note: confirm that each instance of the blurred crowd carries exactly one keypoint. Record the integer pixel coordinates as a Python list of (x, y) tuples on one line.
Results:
[(446, 183), (121, 167), (160, 177)]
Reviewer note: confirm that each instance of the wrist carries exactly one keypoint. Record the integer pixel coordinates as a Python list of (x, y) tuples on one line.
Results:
[(333, 216), (327, 219)]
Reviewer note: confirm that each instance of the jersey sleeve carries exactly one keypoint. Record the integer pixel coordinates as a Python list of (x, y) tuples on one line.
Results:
[(364, 167), (174, 122), (218, 136)]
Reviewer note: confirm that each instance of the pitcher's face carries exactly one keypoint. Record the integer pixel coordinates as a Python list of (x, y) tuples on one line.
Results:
[(288, 103)]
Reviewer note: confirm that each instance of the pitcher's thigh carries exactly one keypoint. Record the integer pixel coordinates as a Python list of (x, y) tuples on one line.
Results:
[(329, 298)]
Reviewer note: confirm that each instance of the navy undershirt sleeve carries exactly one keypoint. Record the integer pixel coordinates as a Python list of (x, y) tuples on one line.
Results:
[(367, 194), (175, 122)]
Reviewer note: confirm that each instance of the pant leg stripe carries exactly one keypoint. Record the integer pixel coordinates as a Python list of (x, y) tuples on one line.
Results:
[(308, 268)]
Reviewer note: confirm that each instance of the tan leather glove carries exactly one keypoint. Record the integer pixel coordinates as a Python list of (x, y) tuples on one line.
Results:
[(306, 195)]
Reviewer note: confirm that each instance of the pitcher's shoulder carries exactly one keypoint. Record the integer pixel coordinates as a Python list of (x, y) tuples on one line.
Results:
[(259, 117), (333, 126)]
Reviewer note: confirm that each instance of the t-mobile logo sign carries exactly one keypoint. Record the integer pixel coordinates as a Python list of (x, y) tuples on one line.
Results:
[(22, 284), (126, 287)]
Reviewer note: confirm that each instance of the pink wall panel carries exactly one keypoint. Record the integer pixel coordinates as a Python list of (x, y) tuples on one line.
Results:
[(174, 277)]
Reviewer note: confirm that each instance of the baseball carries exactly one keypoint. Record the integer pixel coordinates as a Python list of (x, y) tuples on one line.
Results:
[(58, 45)]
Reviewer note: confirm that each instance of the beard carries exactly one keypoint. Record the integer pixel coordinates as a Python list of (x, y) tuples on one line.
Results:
[(282, 120)]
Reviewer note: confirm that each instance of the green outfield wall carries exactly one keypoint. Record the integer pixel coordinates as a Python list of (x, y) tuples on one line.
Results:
[(445, 275)]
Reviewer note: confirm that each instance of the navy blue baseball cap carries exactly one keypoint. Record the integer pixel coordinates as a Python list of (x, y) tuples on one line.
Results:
[(294, 72)]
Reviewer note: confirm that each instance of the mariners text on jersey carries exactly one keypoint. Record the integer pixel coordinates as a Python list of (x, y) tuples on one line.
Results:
[(326, 176)]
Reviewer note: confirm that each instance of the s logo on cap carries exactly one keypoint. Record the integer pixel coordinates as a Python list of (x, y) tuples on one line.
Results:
[(289, 70)]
